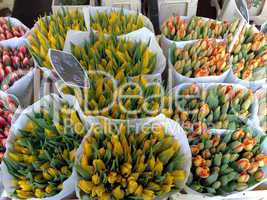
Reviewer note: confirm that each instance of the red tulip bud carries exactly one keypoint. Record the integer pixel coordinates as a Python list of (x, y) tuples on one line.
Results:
[(2, 122), (26, 61), (5, 87), (9, 118), (23, 49), (6, 59), (8, 70), (2, 74), (9, 35)]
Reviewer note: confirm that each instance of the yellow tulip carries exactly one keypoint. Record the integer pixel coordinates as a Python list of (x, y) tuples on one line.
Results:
[(118, 193), (95, 179), (85, 186), (132, 187)]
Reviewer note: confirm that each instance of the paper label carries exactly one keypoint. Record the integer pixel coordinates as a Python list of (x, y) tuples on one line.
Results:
[(68, 68)]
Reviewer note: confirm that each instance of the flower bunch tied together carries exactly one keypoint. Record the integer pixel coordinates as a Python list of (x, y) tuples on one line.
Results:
[(50, 32), (202, 58), (116, 22), (125, 164), (228, 162), (250, 55), (120, 58), (41, 155), (136, 99), (177, 29), (219, 106)]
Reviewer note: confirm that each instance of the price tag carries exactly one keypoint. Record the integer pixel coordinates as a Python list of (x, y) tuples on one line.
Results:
[(243, 9), (68, 68)]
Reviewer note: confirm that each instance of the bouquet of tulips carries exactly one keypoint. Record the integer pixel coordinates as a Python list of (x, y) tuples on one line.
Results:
[(221, 106), (118, 57), (116, 22), (137, 99), (177, 29), (15, 62), (125, 163), (8, 106), (10, 28), (261, 95), (201, 58), (250, 55), (41, 153), (50, 32), (227, 162)]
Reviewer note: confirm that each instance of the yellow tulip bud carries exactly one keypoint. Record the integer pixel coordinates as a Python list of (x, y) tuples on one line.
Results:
[(15, 157), (87, 150), (169, 179), (79, 128), (126, 169), (95, 179), (29, 126), (139, 190), (112, 177), (59, 128), (99, 190), (49, 189), (158, 167), (105, 196), (118, 193), (117, 148), (132, 187), (24, 185), (72, 154), (151, 163), (38, 193), (153, 186), (148, 194), (52, 172), (166, 188), (99, 165), (85, 186), (24, 194)]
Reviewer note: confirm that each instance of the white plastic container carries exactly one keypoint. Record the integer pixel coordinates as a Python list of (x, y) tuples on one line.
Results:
[(229, 9), (167, 8), (128, 4), (56, 6)]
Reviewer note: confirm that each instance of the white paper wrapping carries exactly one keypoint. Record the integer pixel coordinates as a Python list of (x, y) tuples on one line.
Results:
[(47, 72), (257, 95), (256, 132), (177, 78), (172, 127), (143, 34), (93, 10), (68, 184), (253, 109)]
